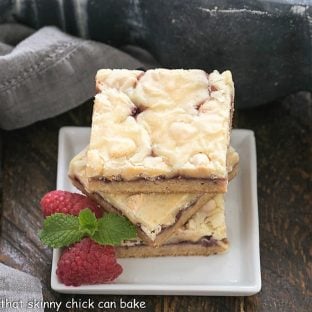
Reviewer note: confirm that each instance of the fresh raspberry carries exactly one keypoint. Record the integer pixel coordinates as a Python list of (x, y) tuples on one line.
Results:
[(87, 262), (69, 203)]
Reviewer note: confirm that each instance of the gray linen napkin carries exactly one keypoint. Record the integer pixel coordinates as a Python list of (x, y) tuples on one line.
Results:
[(51, 72), (19, 291)]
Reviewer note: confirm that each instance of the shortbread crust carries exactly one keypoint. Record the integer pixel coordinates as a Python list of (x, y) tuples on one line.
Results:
[(178, 249), (160, 131)]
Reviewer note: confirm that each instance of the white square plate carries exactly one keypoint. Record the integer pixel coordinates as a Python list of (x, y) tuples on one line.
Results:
[(236, 272)]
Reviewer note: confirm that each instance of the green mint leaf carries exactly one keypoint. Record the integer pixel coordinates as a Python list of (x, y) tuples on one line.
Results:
[(60, 230), (113, 229), (87, 222)]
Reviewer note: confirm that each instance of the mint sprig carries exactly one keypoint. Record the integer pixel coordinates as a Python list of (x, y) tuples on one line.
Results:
[(87, 222), (61, 230), (112, 229)]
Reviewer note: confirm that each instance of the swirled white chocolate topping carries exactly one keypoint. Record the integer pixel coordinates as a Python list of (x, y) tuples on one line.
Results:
[(161, 123), (208, 221)]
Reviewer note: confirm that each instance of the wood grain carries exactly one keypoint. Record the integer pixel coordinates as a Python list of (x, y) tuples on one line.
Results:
[(283, 135)]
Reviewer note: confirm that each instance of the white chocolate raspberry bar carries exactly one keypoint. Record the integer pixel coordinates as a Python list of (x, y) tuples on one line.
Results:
[(155, 215), (204, 234), (160, 131)]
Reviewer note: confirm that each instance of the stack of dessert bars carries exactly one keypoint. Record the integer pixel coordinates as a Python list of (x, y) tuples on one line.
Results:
[(160, 155)]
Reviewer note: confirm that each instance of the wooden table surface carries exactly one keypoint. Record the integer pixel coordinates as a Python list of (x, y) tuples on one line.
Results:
[(283, 136)]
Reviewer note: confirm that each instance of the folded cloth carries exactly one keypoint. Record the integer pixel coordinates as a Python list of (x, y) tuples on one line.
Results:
[(51, 72), (19, 291)]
